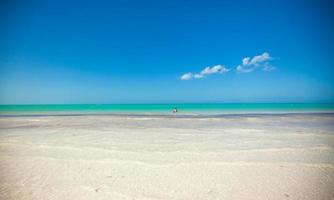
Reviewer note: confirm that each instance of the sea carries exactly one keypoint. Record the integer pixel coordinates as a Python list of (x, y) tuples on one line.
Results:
[(194, 109)]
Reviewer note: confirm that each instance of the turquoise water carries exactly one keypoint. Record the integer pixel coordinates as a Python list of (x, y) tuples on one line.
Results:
[(225, 108)]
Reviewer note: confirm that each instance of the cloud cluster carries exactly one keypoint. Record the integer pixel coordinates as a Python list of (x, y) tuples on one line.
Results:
[(205, 72), (248, 65), (260, 61)]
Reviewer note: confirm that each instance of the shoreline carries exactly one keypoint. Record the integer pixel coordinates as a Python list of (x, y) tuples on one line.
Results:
[(171, 115)]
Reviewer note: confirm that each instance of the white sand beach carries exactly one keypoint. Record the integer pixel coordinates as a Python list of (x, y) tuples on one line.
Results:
[(119, 157)]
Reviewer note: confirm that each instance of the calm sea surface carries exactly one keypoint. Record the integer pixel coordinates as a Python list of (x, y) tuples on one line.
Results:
[(165, 109)]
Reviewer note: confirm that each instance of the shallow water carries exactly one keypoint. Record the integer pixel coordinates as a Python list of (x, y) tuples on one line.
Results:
[(165, 109)]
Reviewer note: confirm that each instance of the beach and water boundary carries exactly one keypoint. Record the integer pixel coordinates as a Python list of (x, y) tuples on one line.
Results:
[(204, 110), (100, 152)]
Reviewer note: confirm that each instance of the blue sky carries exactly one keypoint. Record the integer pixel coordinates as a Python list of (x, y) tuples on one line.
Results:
[(125, 51)]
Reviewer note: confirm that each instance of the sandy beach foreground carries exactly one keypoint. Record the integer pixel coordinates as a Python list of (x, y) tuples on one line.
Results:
[(119, 157)]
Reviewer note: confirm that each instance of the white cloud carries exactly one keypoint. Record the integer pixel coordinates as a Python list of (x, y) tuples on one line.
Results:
[(245, 61), (214, 69), (205, 72), (260, 61), (198, 76), (243, 69), (187, 76), (249, 64), (261, 58)]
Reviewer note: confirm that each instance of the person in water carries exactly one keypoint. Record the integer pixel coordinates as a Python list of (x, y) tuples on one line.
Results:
[(175, 110)]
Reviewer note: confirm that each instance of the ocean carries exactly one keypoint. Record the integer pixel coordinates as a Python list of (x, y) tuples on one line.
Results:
[(165, 109)]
